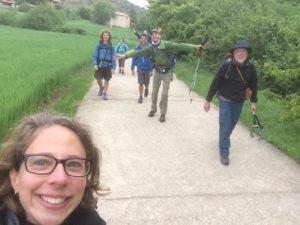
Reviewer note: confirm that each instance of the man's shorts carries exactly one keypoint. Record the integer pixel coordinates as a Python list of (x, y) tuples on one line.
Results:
[(103, 73), (143, 77)]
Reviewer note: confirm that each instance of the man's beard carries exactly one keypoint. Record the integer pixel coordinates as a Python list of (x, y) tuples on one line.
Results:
[(240, 60)]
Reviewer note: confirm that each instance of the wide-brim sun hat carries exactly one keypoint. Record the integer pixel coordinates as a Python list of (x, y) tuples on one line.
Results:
[(241, 44)]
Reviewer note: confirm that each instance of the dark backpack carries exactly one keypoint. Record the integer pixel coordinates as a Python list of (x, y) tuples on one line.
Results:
[(229, 62), (107, 48)]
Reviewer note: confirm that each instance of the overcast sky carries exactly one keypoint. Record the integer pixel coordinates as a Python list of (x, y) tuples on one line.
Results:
[(141, 3)]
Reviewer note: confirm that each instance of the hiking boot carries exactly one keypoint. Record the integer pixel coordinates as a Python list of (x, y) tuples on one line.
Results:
[(162, 118), (140, 99), (151, 113), (146, 92), (100, 91), (225, 161), (104, 96)]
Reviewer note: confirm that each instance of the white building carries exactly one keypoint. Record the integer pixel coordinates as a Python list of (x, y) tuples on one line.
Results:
[(120, 19)]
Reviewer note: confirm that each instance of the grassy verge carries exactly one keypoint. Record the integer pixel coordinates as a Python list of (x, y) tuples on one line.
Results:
[(282, 134), (39, 67), (68, 99), (33, 65)]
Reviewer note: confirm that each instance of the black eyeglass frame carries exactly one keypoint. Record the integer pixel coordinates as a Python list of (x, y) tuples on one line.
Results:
[(57, 161)]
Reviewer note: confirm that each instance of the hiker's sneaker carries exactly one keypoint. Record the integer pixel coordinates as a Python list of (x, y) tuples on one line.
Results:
[(146, 92), (100, 91), (225, 161), (151, 113), (162, 118), (140, 99), (104, 96)]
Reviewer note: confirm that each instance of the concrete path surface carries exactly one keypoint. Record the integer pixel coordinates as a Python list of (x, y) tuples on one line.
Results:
[(170, 173)]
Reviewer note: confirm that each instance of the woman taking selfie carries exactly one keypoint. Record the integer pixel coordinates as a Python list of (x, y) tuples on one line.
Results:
[(49, 173)]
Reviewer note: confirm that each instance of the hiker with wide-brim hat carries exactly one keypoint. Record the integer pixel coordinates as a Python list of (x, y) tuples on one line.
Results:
[(241, 44), (230, 82)]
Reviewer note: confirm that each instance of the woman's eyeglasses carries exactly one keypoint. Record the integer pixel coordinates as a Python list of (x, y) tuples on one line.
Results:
[(44, 164)]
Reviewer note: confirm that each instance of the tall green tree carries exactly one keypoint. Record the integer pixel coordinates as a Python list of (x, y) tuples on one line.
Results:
[(102, 12), (271, 27), (133, 15), (84, 13)]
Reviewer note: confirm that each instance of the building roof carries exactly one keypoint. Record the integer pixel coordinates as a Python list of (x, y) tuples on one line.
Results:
[(121, 14)]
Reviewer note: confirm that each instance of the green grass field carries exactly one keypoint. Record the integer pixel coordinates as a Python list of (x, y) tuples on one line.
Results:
[(34, 64)]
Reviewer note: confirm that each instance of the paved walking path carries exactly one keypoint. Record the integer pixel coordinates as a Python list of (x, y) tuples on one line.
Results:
[(170, 174)]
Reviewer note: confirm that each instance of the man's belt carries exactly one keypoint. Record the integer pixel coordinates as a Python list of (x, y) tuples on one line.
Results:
[(162, 68)]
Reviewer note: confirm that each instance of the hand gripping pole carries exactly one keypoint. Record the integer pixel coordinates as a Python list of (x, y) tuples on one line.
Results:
[(256, 125), (195, 76)]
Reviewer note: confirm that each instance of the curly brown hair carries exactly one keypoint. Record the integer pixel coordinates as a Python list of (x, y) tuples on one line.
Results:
[(109, 34), (12, 151)]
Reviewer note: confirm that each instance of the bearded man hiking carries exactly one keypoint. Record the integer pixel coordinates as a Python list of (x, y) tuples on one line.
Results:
[(234, 76), (162, 55)]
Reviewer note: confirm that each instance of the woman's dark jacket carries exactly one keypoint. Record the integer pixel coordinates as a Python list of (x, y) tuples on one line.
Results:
[(228, 83), (78, 217)]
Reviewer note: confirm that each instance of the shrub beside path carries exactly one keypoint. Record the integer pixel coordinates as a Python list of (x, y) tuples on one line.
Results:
[(170, 173)]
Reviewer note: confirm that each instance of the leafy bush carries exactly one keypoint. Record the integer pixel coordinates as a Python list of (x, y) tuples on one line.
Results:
[(102, 12), (8, 18), (67, 29), (23, 7), (43, 18), (84, 13), (293, 104), (69, 14), (270, 26)]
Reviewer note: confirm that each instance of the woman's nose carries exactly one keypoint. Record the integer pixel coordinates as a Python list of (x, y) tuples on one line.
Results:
[(59, 175)]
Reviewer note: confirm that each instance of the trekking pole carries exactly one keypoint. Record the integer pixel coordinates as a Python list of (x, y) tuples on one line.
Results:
[(256, 125), (196, 71)]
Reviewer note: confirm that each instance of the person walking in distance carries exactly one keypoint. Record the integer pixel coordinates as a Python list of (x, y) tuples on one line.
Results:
[(144, 68), (121, 48), (162, 56), (104, 62), (230, 82)]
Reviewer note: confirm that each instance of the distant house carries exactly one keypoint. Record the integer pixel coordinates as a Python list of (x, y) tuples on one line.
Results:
[(55, 2), (120, 19), (7, 3)]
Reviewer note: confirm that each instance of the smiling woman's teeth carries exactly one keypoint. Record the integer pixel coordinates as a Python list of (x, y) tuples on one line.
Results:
[(53, 200)]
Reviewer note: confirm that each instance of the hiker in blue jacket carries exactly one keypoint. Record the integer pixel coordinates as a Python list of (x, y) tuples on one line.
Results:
[(104, 62), (144, 68), (121, 48)]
